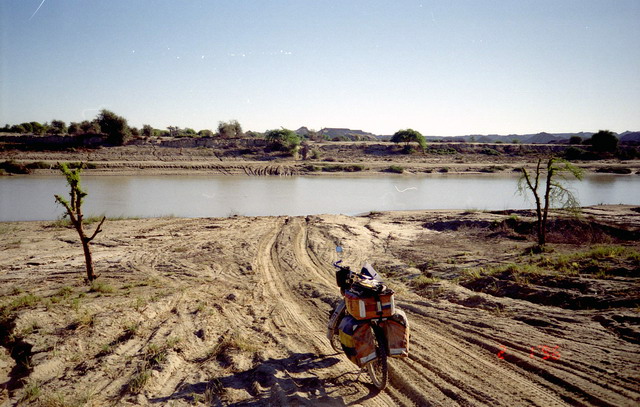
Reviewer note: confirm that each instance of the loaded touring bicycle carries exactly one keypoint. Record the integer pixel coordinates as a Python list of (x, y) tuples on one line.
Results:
[(366, 324)]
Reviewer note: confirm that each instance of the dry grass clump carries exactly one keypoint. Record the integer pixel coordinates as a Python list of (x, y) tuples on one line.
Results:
[(101, 287), (422, 281), (139, 379), (25, 301)]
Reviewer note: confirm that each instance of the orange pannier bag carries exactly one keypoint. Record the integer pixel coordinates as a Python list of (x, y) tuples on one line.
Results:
[(368, 302), (396, 329), (357, 340)]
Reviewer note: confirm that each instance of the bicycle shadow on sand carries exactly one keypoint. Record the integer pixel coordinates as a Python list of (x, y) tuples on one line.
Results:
[(290, 380)]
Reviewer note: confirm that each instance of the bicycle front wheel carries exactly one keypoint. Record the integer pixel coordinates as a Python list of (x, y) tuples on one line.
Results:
[(379, 369), (334, 339)]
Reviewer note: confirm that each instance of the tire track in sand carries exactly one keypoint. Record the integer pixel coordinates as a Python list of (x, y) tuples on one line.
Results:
[(290, 315)]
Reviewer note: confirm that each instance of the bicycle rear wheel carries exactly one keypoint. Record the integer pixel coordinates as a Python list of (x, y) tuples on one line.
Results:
[(332, 329)]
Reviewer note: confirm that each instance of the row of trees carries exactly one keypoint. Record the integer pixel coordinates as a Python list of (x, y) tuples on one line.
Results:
[(604, 141), (55, 127), (117, 130)]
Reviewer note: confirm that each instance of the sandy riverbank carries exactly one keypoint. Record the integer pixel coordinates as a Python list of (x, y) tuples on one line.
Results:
[(233, 310)]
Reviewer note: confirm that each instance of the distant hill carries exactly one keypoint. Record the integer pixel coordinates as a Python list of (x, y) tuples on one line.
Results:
[(333, 132), (302, 131), (342, 133), (630, 137), (537, 138)]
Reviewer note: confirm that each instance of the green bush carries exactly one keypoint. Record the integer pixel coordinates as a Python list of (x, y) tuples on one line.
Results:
[(345, 168), (604, 141), (614, 170), (114, 126), (38, 165), (574, 153), (489, 151), (628, 153), (283, 139), (442, 151), (13, 167), (395, 169), (491, 169), (78, 164), (408, 149)]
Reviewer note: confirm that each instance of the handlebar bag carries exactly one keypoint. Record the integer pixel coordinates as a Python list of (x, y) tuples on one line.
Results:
[(357, 340), (368, 302), (396, 329)]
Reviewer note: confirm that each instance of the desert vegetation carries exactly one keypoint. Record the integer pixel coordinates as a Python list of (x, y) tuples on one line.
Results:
[(554, 190), (73, 207), (111, 130)]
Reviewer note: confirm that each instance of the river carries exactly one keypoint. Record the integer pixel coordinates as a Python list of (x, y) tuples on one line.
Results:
[(31, 197)]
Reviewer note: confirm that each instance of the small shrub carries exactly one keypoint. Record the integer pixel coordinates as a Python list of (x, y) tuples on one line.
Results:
[(628, 153), (131, 329), (614, 170), (574, 153), (492, 169), (31, 392), (489, 151), (332, 168), (423, 281), (140, 303), (64, 292), (38, 165), (213, 391), (139, 380), (408, 149), (443, 170), (343, 168), (395, 169), (26, 301), (441, 151), (101, 287), (55, 400), (12, 167), (173, 341), (155, 354), (84, 320), (605, 252)]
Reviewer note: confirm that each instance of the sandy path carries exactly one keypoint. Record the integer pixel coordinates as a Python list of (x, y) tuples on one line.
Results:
[(233, 311)]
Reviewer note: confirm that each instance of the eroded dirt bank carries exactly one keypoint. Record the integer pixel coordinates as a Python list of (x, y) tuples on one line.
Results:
[(336, 158), (232, 311)]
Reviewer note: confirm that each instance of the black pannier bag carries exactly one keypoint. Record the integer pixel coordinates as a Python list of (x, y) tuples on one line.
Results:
[(342, 278)]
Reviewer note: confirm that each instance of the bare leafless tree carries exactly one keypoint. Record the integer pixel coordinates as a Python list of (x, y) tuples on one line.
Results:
[(555, 192)]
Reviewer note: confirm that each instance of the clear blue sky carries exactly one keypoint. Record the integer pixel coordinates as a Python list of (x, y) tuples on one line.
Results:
[(440, 67)]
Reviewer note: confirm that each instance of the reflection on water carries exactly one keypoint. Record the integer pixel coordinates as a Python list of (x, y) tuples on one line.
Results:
[(31, 197)]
